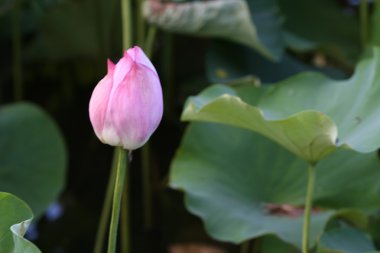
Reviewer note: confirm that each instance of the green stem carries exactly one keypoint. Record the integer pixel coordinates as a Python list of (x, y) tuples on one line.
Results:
[(127, 43), (140, 23), (126, 23), (104, 218), (363, 8), (125, 226), (308, 206), (244, 247), (122, 166), (149, 41), (145, 150), (256, 245), (16, 42), (147, 189), (168, 75)]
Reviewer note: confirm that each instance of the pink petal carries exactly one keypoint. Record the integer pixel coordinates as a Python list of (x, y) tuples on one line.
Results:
[(137, 106), (138, 55), (99, 101), (110, 67), (122, 68)]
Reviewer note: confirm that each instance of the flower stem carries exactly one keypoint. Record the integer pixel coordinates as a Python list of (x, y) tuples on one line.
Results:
[(16, 42), (308, 206), (168, 67), (149, 41), (126, 23), (244, 247), (145, 150), (125, 226), (256, 245), (140, 23), (363, 8), (127, 43), (147, 189), (104, 217), (122, 166)]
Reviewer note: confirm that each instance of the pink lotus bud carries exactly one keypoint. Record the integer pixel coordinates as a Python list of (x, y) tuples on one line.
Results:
[(126, 106)]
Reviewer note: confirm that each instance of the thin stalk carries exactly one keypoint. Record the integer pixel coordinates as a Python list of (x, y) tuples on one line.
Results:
[(122, 167), (256, 245), (147, 189), (363, 10), (149, 41), (145, 150), (308, 206), (168, 75), (16, 42), (125, 222), (244, 247), (140, 23), (127, 43), (126, 23), (104, 217)]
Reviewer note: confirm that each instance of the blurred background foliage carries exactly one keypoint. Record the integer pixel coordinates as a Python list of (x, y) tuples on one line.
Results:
[(53, 52)]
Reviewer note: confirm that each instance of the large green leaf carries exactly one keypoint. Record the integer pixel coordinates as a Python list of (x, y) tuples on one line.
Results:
[(15, 217), (268, 19), (309, 134), (32, 155), (236, 21), (305, 113), (271, 244), (230, 175), (345, 240)]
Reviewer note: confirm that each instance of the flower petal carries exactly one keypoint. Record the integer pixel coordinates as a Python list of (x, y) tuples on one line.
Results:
[(138, 55), (137, 106), (122, 69), (99, 101)]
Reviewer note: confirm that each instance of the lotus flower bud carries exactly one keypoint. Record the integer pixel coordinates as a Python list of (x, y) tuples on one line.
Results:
[(126, 105)]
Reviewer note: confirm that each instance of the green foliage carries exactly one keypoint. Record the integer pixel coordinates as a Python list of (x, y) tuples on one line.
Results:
[(32, 155), (232, 20), (14, 222), (345, 240), (230, 175), (271, 244), (298, 114), (309, 134), (240, 183), (267, 18)]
